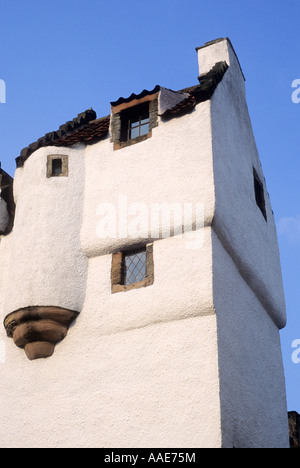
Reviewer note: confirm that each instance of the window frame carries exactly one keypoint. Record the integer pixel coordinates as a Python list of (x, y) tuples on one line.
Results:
[(119, 120), (117, 270), (64, 165)]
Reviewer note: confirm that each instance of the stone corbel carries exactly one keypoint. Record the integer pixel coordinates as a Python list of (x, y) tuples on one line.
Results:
[(38, 329)]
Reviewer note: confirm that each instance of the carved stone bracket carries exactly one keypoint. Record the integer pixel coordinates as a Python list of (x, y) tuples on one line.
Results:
[(38, 329)]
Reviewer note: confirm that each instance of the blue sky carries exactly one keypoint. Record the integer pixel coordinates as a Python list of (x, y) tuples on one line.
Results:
[(59, 58)]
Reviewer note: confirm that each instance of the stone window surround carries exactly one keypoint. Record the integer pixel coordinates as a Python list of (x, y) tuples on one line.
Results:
[(65, 165), (117, 271), (116, 120)]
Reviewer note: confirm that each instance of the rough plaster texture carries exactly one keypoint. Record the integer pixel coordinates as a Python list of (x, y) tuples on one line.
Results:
[(252, 385), (217, 51), (247, 282), (47, 266), (140, 388), (194, 359), (178, 156), (142, 346), (173, 296), (5, 252), (238, 221)]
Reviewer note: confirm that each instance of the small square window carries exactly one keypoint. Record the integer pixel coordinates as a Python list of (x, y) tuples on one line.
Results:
[(132, 269), (259, 194), (57, 165)]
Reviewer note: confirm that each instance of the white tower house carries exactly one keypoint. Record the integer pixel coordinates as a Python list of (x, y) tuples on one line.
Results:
[(149, 237)]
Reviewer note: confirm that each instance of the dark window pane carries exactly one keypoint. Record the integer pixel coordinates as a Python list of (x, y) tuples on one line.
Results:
[(259, 194), (56, 166)]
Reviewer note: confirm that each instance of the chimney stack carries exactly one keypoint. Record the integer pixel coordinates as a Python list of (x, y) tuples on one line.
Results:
[(218, 50)]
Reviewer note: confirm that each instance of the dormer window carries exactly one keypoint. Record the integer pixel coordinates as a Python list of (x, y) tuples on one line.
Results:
[(135, 122), (133, 119), (57, 165)]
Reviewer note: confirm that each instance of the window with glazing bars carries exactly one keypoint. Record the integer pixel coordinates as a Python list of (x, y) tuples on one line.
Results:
[(135, 122), (132, 269), (134, 266)]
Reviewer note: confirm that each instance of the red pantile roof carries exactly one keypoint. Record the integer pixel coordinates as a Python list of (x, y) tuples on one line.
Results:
[(85, 128)]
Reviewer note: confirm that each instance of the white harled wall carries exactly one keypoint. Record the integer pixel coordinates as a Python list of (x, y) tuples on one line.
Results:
[(138, 368), (47, 266), (247, 283), (252, 384)]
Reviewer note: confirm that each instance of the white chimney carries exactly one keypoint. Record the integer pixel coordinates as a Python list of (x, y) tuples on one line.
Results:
[(218, 50)]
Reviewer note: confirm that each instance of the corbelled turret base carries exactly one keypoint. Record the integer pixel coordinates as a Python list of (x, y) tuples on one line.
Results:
[(38, 329)]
